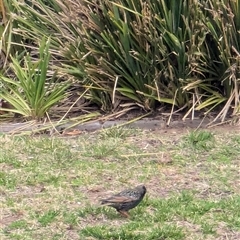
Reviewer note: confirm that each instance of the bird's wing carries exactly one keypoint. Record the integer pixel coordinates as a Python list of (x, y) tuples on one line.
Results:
[(119, 199)]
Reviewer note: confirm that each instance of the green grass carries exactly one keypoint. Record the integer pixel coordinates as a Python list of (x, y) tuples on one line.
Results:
[(50, 186)]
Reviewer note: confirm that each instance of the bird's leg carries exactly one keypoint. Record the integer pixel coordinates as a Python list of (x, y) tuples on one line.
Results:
[(124, 213)]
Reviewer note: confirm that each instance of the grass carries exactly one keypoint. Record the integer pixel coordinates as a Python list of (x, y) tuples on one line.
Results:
[(50, 186)]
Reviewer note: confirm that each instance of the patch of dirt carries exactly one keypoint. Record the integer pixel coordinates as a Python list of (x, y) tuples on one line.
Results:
[(28, 191), (224, 233), (93, 194), (8, 218), (193, 230), (71, 234)]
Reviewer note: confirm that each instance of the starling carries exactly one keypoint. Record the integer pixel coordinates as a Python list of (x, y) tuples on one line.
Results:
[(126, 200)]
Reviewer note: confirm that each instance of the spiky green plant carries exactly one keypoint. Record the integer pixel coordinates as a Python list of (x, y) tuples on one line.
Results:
[(33, 92), (142, 50), (180, 53)]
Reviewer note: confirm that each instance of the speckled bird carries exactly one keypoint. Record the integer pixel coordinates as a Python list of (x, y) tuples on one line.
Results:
[(125, 200)]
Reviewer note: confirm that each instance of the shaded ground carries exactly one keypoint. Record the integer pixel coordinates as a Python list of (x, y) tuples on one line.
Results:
[(52, 186)]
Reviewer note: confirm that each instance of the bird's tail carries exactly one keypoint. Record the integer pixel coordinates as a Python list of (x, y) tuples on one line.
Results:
[(104, 202)]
